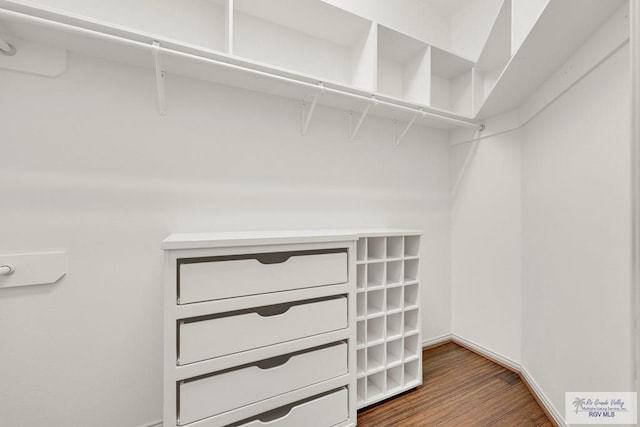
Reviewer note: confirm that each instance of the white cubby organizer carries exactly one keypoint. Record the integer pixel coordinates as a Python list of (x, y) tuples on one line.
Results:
[(388, 315)]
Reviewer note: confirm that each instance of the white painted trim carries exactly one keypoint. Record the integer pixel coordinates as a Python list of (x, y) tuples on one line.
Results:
[(635, 185), (437, 340), (152, 424), (558, 418), (488, 353)]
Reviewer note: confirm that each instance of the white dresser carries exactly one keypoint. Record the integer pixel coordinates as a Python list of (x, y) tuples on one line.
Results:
[(260, 329)]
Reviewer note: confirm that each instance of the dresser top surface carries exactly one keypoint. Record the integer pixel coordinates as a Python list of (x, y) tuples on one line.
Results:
[(249, 238)]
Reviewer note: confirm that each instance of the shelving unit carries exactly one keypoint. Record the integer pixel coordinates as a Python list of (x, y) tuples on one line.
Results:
[(296, 50), (403, 66), (388, 306), (308, 37), (451, 82)]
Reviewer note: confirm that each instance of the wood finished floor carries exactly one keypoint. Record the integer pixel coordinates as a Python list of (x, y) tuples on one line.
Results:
[(460, 389)]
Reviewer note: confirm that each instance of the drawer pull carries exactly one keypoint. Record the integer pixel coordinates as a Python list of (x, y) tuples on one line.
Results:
[(275, 415), (273, 310), (274, 362), (273, 258)]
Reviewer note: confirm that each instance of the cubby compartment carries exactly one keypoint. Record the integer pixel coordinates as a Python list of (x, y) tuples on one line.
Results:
[(362, 362), (361, 304), (411, 246), (388, 266), (375, 358), (394, 326), (394, 299), (394, 273), (403, 66), (411, 321), (375, 303), (361, 277), (411, 296), (410, 270), (375, 275), (376, 248), (307, 37), (494, 57), (361, 249), (394, 247), (451, 82), (375, 386), (362, 391), (361, 333), (412, 373), (394, 352), (394, 379), (411, 348), (375, 330)]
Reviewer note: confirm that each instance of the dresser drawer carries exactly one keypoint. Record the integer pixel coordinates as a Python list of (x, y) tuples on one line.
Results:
[(203, 279), (207, 396), (215, 336), (322, 411)]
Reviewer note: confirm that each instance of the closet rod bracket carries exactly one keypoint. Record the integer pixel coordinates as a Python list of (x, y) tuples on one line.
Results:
[(398, 138), (160, 78), (353, 131), (306, 115)]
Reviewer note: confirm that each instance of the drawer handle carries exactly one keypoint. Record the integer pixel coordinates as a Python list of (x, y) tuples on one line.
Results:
[(273, 310), (276, 414), (273, 258), (272, 363)]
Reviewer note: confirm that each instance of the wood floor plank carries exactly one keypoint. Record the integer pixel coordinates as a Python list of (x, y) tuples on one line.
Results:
[(460, 388)]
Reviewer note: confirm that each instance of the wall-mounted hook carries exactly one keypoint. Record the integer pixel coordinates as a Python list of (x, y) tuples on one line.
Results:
[(6, 270), (160, 78), (7, 48)]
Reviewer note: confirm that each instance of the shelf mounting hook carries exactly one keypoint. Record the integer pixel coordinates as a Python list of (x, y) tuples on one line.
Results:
[(353, 131), (160, 78), (306, 115), (398, 138)]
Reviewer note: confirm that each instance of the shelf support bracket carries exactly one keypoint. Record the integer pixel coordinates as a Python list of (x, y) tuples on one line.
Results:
[(398, 138), (306, 115), (354, 131), (160, 78)]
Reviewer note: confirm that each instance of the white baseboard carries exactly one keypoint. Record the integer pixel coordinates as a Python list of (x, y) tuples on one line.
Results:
[(153, 424), (437, 340), (511, 364), (557, 417), (515, 366)]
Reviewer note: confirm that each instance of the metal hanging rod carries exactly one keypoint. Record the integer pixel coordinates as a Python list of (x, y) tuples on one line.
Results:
[(142, 41)]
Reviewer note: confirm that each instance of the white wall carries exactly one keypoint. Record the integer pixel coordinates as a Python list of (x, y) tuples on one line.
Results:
[(576, 231), (486, 244), (471, 26), (93, 169)]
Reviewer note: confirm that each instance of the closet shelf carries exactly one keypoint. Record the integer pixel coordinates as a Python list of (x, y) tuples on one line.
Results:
[(543, 52), (133, 47)]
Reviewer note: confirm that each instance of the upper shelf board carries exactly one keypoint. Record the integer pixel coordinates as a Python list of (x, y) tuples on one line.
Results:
[(561, 28)]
